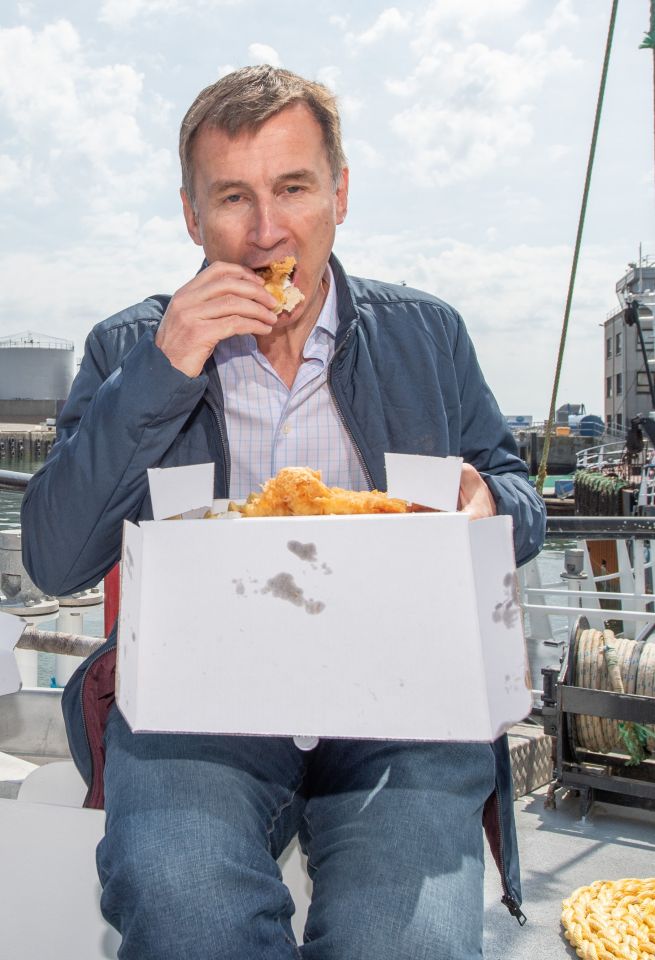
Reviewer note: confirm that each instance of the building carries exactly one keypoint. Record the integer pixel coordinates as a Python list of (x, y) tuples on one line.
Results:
[(36, 373), (627, 391)]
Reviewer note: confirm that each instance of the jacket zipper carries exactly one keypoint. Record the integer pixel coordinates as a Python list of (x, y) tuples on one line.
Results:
[(507, 899), (224, 446), (342, 418)]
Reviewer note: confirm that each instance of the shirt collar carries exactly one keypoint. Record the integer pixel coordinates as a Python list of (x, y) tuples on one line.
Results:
[(328, 318)]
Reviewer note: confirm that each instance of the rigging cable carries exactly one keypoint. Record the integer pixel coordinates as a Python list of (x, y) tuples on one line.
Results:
[(541, 476)]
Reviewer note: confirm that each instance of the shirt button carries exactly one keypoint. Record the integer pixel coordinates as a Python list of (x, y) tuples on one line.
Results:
[(286, 430)]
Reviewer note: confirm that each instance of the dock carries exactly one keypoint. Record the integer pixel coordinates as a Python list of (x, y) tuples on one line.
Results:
[(25, 441)]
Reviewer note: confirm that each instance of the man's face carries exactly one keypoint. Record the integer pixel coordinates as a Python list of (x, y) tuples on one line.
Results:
[(266, 195)]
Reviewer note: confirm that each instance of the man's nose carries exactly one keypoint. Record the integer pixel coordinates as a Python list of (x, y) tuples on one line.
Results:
[(269, 227)]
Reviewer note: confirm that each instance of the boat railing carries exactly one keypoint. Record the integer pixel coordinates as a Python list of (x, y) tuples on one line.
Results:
[(598, 596), (600, 456)]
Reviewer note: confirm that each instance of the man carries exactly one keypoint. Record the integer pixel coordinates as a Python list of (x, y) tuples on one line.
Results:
[(195, 824)]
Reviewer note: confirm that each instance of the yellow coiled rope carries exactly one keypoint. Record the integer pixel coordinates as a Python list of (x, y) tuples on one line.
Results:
[(612, 920)]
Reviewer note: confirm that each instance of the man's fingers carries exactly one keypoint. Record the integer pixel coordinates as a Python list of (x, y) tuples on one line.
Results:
[(229, 288), (475, 497)]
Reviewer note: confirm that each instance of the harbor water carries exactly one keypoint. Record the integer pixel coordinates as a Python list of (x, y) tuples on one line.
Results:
[(91, 619)]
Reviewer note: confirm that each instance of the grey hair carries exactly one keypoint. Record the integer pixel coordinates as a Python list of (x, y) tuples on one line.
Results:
[(245, 99)]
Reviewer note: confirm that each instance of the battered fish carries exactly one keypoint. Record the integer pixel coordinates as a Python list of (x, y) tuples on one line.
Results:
[(300, 492), (277, 280)]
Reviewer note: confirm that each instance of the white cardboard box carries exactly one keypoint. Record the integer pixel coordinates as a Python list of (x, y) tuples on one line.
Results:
[(390, 626)]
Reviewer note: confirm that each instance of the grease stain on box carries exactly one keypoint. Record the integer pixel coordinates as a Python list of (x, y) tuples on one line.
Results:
[(284, 587)]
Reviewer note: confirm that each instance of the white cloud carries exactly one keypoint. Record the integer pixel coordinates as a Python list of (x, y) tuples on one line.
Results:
[(11, 173), (337, 20), (563, 16), (510, 297), (79, 284), (466, 18), (350, 107), (121, 13), (70, 119), (390, 21), (449, 146), (262, 53), (330, 76), (361, 151), (472, 103), (224, 69)]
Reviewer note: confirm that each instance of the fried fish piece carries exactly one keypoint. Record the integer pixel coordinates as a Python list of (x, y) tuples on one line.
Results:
[(277, 280), (300, 492)]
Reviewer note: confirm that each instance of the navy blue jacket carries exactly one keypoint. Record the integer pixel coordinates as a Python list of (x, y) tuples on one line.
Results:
[(405, 379)]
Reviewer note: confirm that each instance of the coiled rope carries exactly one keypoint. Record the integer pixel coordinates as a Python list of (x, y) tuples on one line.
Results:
[(601, 661), (612, 920)]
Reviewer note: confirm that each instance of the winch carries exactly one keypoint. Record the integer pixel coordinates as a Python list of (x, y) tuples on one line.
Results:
[(599, 707)]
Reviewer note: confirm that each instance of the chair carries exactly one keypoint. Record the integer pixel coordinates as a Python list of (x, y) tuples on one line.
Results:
[(49, 888)]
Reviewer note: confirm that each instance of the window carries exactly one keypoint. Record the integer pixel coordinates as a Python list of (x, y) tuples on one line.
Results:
[(619, 384), (608, 348), (608, 387), (619, 421), (642, 382), (619, 343), (609, 422)]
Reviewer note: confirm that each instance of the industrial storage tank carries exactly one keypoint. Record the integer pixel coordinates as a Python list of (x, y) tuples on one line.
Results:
[(36, 373)]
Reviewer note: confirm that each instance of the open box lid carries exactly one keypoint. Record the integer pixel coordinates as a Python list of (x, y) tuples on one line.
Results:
[(430, 481)]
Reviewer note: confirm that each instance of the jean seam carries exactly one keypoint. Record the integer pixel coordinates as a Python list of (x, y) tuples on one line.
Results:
[(276, 816), (274, 819)]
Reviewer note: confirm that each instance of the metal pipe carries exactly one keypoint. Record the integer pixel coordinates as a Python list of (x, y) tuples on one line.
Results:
[(601, 528), (71, 644), (592, 611), (14, 480)]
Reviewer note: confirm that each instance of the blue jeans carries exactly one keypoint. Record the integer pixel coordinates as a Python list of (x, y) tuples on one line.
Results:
[(195, 824)]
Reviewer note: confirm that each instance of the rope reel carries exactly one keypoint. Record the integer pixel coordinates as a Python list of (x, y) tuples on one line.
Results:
[(601, 661)]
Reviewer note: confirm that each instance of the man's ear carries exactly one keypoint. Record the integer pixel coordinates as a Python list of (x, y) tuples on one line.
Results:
[(342, 196), (190, 218)]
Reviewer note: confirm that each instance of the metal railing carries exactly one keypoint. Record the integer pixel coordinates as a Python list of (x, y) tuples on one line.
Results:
[(641, 530), (14, 480), (603, 455)]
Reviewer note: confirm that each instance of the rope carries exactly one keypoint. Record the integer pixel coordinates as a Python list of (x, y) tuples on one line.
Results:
[(541, 476), (612, 919), (605, 662)]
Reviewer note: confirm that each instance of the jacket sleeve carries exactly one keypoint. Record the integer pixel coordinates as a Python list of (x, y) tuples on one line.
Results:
[(115, 424), (488, 444)]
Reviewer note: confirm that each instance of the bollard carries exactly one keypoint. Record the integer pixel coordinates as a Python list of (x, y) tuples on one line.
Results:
[(18, 593)]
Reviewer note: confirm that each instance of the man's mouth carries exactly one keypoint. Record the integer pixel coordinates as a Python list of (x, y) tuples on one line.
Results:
[(278, 281)]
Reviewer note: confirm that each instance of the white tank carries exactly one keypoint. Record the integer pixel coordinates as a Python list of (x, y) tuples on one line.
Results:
[(35, 367)]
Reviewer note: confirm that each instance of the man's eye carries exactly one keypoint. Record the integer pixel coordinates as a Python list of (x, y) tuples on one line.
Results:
[(233, 198), (293, 188)]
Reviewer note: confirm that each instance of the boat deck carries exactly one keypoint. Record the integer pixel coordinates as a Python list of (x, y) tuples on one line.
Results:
[(559, 853)]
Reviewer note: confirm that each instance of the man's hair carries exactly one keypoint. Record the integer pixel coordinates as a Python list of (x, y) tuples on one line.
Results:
[(246, 99)]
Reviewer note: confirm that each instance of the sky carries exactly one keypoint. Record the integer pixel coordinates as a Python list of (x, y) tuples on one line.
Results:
[(467, 126)]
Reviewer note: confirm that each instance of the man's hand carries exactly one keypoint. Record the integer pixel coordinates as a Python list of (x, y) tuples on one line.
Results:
[(474, 495), (222, 300)]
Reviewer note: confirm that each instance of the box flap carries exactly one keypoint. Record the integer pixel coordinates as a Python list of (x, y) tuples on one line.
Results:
[(430, 481), (501, 624), (11, 628), (128, 619), (176, 490)]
